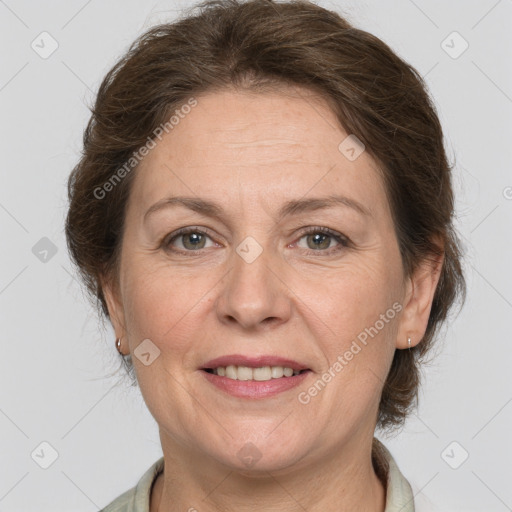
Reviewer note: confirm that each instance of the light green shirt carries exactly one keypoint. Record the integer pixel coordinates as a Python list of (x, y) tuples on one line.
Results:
[(399, 496)]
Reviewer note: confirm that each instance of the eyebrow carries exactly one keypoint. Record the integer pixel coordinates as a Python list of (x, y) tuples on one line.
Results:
[(293, 207)]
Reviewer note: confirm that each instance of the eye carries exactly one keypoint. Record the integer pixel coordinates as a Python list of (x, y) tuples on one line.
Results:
[(192, 239), (319, 239)]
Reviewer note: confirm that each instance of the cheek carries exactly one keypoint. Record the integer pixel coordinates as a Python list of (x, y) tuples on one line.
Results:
[(356, 336), (162, 303), (350, 299)]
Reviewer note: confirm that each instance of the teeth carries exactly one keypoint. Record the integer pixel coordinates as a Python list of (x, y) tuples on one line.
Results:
[(277, 372), (244, 373), (264, 373), (231, 372), (260, 374)]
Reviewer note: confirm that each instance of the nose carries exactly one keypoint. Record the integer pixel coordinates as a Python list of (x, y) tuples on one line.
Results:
[(254, 294)]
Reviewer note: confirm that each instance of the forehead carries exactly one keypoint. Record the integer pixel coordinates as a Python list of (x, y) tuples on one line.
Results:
[(238, 146)]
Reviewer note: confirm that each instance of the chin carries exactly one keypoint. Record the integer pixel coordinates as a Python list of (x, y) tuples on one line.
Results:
[(264, 455)]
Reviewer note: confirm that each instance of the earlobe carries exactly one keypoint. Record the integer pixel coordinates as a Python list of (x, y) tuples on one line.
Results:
[(421, 288)]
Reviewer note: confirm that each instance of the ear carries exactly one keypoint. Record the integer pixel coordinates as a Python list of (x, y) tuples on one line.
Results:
[(114, 305), (420, 289)]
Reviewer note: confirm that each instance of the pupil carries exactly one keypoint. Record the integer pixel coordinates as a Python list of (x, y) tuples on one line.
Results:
[(318, 238), (192, 240)]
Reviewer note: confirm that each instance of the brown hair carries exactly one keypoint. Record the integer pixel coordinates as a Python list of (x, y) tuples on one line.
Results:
[(261, 44)]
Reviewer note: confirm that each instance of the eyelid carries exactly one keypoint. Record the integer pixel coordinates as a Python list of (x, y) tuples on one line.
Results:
[(322, 229)]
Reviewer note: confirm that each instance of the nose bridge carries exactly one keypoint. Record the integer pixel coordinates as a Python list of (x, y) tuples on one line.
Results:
[(253, 293)]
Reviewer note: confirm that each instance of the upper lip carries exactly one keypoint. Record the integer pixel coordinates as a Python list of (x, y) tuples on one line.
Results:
[(254, 362)]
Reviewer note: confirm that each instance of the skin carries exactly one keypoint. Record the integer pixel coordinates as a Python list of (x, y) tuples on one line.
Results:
[(251, 153)]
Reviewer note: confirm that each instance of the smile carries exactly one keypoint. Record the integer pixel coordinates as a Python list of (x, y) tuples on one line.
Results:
[(261, 374)]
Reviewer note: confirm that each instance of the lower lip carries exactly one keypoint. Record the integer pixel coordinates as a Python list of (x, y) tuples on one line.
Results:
[(254, 388)]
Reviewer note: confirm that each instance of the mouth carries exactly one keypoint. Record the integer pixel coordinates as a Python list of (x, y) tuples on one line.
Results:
[(259, 374), (261, 377)]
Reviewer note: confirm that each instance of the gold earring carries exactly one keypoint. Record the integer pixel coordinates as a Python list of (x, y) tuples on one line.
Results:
[(118, 346)]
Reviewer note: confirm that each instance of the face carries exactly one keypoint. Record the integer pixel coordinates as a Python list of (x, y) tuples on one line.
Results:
[(265, 283)]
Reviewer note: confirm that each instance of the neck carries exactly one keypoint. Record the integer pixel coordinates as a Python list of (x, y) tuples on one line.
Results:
[(342, 482)]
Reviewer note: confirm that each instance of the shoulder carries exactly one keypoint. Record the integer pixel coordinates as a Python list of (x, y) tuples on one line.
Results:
[(136, 499)]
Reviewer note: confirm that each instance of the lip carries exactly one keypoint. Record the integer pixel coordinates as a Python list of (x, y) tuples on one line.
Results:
[(254, 362), (252, 388), (255, 389)]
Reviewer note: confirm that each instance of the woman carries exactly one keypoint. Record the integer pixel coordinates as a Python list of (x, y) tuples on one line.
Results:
[(264, 212)]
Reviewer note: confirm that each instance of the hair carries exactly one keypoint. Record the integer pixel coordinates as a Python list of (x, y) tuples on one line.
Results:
[(261, 45)]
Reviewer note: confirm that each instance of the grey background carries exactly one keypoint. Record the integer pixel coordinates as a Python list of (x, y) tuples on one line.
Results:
[(56, 358)]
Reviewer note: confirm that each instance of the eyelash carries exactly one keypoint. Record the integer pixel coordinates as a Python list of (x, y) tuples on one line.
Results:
[(342, 240)]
